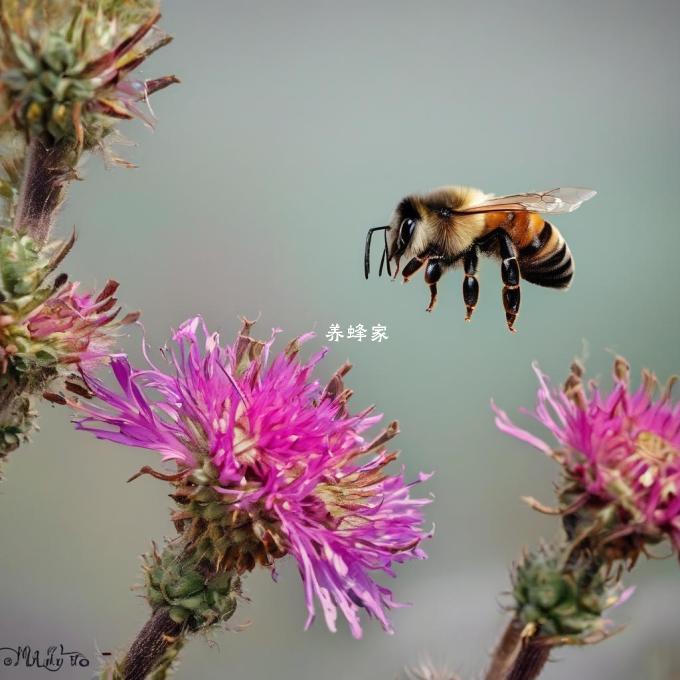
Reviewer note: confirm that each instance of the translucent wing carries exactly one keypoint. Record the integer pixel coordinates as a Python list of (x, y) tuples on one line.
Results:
[(564, 200)]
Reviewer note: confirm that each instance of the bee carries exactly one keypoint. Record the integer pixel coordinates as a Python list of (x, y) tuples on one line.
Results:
[(453, 226)]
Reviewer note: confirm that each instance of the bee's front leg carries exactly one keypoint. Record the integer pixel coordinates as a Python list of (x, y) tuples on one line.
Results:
[(412, 266), (510, 276), (433, 273)]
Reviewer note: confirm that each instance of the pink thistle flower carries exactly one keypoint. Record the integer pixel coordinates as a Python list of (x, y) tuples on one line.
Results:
[(80, 327), (269, 464), (620, 452)]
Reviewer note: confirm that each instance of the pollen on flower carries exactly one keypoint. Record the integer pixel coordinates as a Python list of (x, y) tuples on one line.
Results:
[(270, 464)]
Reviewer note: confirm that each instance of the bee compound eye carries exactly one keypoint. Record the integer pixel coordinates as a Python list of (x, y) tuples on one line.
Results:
[(406, 231)]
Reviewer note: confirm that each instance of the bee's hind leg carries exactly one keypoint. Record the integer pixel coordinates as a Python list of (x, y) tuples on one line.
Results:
[(510, 276), (470, 282), (433, 273)]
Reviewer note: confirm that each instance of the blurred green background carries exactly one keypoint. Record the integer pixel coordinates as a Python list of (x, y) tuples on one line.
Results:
[(298, 126)]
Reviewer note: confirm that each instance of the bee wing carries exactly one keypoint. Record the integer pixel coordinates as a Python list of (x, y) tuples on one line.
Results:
[(563, 200)]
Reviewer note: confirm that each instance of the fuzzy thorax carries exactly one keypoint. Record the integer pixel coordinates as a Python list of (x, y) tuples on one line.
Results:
[(450, 235)]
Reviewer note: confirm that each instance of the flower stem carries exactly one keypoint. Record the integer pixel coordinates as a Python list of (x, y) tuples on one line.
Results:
[(48, 168), (530, 661), (505, 650), (155, 647), (517, 658)]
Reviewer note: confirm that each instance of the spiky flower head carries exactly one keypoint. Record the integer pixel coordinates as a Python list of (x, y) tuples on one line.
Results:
[(561, 597), (620, 453), (269, 464), (46, 321), (67, 66)]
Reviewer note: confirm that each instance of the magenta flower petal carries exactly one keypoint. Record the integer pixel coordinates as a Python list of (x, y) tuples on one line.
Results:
[(283, 454), (621, 447)]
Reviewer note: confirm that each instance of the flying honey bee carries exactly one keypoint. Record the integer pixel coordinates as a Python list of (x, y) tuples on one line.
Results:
[(453, 225)]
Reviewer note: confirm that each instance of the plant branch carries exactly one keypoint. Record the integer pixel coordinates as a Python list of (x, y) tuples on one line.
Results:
[(159, 636), (48, 168), (505, 651), (517, 658), (528, 665)]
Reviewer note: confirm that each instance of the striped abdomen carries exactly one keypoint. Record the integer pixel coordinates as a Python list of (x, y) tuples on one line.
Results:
[(546, 260)]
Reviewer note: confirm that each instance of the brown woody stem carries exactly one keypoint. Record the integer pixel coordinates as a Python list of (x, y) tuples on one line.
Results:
[(48, 168), (148, 651), (517, 658), (530, 661)]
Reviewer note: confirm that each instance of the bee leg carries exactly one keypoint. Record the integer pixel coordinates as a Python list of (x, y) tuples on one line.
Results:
[(470, 282), (433, 297), (412, 266), (433, 273), (510, 275)]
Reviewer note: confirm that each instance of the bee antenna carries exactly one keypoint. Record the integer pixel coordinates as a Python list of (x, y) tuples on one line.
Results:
[(387, 255), (382, 263), (367, 251)]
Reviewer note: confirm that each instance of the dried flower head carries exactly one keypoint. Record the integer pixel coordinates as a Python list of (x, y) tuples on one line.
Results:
[(620, 452), (80, 327), (67, 66), (269, 464)]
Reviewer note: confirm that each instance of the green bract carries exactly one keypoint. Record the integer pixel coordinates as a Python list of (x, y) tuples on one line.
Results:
[(174, 580), (560, 599)]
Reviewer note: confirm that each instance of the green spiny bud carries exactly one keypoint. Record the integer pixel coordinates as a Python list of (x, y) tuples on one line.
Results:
[(561, 596), (177, 579)]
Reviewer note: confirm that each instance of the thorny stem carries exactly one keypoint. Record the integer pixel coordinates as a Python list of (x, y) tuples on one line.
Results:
[(517, 658), (47, 171), (158, 638)]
